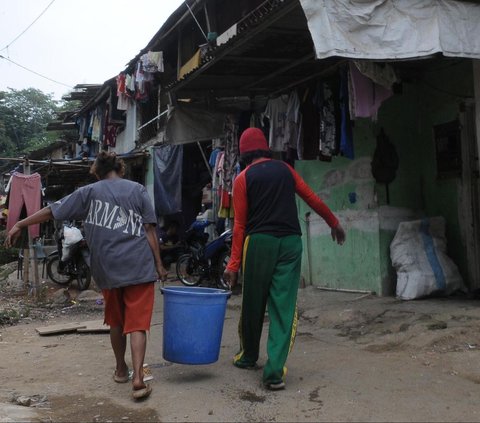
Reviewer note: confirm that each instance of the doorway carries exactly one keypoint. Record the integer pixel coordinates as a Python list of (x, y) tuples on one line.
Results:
[(469, 204)]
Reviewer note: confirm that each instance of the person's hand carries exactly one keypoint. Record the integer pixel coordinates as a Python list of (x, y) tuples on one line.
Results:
[(162, 273), (230, 278), (13, 236), (338, 234)]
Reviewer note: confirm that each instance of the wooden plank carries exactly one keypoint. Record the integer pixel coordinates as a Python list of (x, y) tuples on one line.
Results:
[(94, 326), (61, 328)]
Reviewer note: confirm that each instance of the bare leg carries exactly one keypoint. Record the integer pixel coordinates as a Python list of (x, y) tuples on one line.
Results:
[(119, 346), (138, 343)]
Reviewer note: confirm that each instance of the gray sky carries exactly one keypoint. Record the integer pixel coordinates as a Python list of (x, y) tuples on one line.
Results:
[(86, 41)]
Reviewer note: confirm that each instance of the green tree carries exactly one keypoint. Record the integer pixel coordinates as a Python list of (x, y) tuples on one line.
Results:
[(24, 115)]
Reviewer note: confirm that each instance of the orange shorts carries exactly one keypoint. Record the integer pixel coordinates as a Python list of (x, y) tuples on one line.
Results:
[(130, 307)]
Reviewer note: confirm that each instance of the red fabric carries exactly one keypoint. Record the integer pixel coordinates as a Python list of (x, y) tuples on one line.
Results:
[(252, 139), (25, 190), (130, 307), (240, 207), (225, 200), (121, 87), (307, 195)]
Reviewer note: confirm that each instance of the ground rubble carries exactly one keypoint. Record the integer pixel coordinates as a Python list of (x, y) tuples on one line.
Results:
[(356, 358), (18, 305)]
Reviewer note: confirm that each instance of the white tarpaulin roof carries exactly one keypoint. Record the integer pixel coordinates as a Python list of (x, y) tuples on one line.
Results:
[(393, 29)]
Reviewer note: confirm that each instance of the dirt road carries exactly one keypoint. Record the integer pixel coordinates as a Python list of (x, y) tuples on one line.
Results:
[(356, 358)]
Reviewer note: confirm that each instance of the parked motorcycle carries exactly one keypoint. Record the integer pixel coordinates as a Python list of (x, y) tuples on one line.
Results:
[(72, 264), (205, 262)]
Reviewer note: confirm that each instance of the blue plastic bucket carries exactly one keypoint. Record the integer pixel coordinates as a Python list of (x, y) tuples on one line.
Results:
[(193, 324)]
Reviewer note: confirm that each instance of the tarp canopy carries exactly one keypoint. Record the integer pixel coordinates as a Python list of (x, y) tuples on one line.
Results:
[(393, 29), (191, 124)]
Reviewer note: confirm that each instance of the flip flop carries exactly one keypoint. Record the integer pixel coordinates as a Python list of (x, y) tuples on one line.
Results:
[(142, 393), (121, 379)]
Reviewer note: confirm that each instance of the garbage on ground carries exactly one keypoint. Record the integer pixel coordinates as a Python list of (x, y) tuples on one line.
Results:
[(29, 400), (419, 255)]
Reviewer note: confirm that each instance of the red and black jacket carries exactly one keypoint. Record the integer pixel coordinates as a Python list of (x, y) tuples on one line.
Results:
[(264, 202)]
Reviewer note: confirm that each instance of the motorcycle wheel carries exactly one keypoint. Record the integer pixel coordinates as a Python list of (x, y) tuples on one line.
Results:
[(84, 276), (54, 275), (187, 271), (222, 263)]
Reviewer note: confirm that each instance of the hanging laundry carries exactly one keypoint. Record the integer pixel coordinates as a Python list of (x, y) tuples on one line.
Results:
[(294, 119), (367, 95), (346, 133), (276, 112), (122, 103), (220, 163), (25, 190), (130, 85), (383, 75), (213, 157), (110, 138), (226, 167), (121, 85), (105, 122), (97, 125), (139, 77), (90, 125), (310, 134), (152, 61), (325, 103)]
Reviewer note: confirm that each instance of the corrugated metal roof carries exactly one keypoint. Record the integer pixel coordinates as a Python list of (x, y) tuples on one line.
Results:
[(256, 17)]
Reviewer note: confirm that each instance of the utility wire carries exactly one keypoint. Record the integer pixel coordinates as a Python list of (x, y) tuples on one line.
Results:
[(28, 27), (36, 73)]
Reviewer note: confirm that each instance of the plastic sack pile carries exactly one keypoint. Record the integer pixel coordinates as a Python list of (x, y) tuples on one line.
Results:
[(419, 255)]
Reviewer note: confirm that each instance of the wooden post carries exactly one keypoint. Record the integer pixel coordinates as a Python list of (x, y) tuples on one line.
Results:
[(26, 255)]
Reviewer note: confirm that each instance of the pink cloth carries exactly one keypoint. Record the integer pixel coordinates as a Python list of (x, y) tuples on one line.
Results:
[(367, 95), (25, 190)]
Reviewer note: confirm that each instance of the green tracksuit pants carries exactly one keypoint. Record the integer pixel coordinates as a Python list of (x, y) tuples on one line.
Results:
[(271, 275)]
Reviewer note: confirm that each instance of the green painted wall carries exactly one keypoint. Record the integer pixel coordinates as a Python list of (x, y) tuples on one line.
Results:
[(364, 261)]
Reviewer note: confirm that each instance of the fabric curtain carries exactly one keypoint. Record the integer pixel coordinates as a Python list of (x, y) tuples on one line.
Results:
[(167, 173)]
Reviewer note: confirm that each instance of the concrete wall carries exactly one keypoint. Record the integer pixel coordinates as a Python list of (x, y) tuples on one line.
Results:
[(364, 261)]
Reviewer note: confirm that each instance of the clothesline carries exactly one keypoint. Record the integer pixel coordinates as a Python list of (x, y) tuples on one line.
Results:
[(61, 163)]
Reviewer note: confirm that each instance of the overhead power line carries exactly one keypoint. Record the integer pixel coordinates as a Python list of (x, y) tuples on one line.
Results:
[(36, 73), (28, 27)]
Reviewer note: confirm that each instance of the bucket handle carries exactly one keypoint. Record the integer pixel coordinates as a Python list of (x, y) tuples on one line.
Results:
[(223, 291)]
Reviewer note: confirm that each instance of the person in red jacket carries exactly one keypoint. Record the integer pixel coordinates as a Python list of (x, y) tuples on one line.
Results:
[(266, 230)]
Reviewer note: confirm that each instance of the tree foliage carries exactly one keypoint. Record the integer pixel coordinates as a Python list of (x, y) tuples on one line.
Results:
[(24, 115)]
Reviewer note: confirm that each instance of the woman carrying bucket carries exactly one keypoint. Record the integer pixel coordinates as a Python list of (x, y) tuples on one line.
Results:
[(119, 226), (267, 230)]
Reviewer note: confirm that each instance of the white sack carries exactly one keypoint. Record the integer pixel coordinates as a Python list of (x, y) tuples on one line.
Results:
[(419, 255), (71, 235), (393, 29)]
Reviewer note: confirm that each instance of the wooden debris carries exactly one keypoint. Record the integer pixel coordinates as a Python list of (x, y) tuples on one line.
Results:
[(61, 328), (94, 326)]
